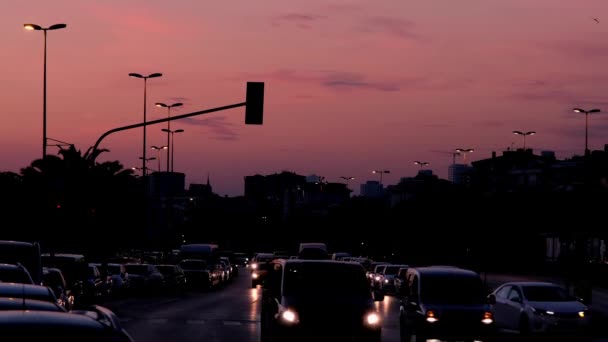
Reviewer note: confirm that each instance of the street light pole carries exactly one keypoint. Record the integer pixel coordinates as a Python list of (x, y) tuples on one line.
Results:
[(145, 78), (347, 179), (524, 134), (158, 149), (34, 27), (464, 152), (586, 112), (381, 172), (169, 143), (422, 164), (172, 143)]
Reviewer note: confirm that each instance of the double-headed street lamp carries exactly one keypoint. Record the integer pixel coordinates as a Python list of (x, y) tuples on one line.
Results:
[(34, 27), (464, 152), (145, 78), (586, 112), (158, 149), (168, 130), (172, 144), (347, 179), (524, 134), (421, 163), (381, 172)]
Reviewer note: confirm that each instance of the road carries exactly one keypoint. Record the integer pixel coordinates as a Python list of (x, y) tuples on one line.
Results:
[(224, 315)]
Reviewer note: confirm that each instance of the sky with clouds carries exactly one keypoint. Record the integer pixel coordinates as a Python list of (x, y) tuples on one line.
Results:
[(351, 86)]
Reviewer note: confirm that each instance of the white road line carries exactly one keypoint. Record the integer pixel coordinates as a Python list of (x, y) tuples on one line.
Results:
[(157, 321), (232, 323), (195, 322)]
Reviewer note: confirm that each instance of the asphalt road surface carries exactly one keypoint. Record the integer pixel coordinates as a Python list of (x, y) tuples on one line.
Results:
[(230, 314)]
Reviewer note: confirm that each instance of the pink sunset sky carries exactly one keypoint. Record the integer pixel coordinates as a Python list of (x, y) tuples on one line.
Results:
[(351, 86)]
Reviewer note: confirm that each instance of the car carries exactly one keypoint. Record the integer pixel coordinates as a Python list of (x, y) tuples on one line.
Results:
[(53, 278), (100, 325), (313, 251), (537, 308), (446, 304), (175, 279), (389, 276), (37, 292), (304, 300), (24, 253), (259, 267), (199, 274), (144, 278), (29, 304)]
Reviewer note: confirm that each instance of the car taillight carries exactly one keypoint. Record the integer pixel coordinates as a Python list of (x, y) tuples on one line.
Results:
[(430, 317), (488, 318)]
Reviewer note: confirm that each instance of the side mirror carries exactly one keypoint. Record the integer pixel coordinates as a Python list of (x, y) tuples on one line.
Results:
[(492, 299), (378, 296)]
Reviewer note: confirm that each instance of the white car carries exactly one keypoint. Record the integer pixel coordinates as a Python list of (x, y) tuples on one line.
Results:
[(538, 308)]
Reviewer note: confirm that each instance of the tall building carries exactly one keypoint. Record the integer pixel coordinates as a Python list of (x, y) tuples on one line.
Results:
[(460, 174), (372, 189)]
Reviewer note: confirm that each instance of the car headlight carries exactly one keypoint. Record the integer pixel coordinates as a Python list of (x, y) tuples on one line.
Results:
[(372, 319), (254, 275), (582, 314), (254, 266), (386, 281), (289, 316), (377, 278)]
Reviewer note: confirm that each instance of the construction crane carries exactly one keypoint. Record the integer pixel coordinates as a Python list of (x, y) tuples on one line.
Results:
[(453, 153)]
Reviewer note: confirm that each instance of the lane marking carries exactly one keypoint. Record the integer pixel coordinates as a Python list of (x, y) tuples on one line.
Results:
[(232, 323), (157, 321)]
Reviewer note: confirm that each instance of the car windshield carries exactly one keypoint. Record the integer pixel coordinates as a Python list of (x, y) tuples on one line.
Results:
[(193, 265), (113, 269), (166, 270), (14, 276), (546, 294), (312, 279), (137, 269), (392, 270), (451, 289)]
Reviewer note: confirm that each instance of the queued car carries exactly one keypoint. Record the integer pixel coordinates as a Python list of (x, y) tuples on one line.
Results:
[(10, 273), (53, 278), (174, 277), (144, 277)]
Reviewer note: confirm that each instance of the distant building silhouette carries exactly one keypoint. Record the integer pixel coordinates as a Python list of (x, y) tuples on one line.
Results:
[(372, 189), (201, 190), (459, 174)]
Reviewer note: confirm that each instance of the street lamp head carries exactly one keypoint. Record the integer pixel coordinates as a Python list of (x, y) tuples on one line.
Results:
[(178, 104), (530, 133), (178, 131), (57, 26), (164, 147), (135, 75), (156, 74), (518, 132), (32, 27), (160, 104), (166, 130), (594, 111)]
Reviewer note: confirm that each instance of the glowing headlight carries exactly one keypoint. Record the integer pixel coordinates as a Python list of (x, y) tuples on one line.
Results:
[(386, 281), (377, 278), (430, 317), (254, 266), (488, 318), (372, 318), (254, 275), (289, 316), (581, 314)]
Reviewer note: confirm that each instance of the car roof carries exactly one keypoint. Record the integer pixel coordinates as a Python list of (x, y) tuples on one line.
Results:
[(33, 319), (11, 267), (441, 270), (28, 304), (531, 283), (322, 262)]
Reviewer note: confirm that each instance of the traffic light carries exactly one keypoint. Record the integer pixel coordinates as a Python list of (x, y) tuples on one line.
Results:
[(254, 109)]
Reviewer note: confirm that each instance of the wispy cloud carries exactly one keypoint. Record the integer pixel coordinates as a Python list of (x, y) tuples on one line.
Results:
[(300, 20), (402, 29), (218, 126), (596, 48), (556, 92), (336, 80)]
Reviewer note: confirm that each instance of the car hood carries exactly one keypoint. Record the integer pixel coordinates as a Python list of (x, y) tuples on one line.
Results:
[(562, 307)]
